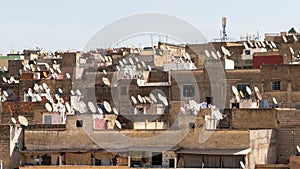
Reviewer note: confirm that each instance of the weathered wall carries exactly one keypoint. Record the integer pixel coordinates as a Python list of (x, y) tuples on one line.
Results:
[(5, 145), (74, 167), (263, 144), (287, 140), (254, 119), (294, 162)]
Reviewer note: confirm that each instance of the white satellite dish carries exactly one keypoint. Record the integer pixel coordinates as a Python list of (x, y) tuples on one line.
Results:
[(242, 165), (144, 100), (48, 107), (68, 75), (258, 95), (45, 86), (248, 90), (298, 148), (242, 94), (219, 54), (235, 91), (83, 107), (251, 44), (5, 93), (148, 99), (107, 106), (5, 69), (51, 70), (38, 98), (136, 59), (60, 91), (58, 70), (144, 64), (57, 97), (72, 92), (23, 120), (149, 68), (295, 37), (36, 87), (274, 100), (131, 61), (121, 63), (92, 107), (214, 55), (163, 99), (104, 72), (13, 120), (263, 44), (246, 46), (153, 98), (78, 92), (207, 53), (124, 61), (273, 44), (4, 79), (12, 79), (68, 106), (106, 81), (225, 51), (115, 111), (133, 100), (100, 110), (118, 124), (194, 105), (292, 51), (118, 68), (140, 98), (284, 39)]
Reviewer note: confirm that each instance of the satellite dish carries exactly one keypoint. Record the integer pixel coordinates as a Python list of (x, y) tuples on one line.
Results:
[(225, 51), (100, 110), (133, 100), (78, 92), (121, 63), (140, 98), (235, 91), (60, 91), (92, 107), (242, 165), (5, 93), (284, 39), (251, 44), (124, 61), (45, 86), (219, 54), (194, 105), (118, 68), (273, 44), (4, 79), (153, 98), (144, 100), (106, 81), (118, 124), (13, 120), (214, 55), (246, 46), (57, 97), (107, 106), (82, 106), (298, 148), (115, 111), (263, 44), (23, 120), (58, 70), (292, 51), (51, 70), (149, 68), (68, 106), (274, 100), (38, 98), (131, 61), (148, 99), (5, 69), (163, 99), (258, 95), (72, 92), (36, 87), (136, 59), (295, 37), (104, 72), (144, 64), (248, 90), (48, 107), (207, 53), (68, 75)]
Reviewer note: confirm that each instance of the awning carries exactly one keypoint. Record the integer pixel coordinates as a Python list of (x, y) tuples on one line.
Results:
[(215, 151)]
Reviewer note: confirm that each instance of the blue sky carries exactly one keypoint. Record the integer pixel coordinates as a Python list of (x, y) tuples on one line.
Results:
[(65, 24)]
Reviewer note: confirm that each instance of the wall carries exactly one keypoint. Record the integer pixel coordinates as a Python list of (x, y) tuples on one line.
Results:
[(263, 144), (74, 167), (287, 140), (254, 118), (5, 145), (294, 162)]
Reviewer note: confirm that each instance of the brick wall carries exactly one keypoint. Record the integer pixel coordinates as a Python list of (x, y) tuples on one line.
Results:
[(5, 145)]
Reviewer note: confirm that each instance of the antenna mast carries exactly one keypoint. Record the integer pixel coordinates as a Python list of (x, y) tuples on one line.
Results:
[(224, 34)]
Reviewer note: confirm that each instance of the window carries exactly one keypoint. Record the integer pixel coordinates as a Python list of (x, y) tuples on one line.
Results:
[(156, 158), (276, 85), (123, 91), (247, 52), (47, 119), (79, 123), (188, 91), (192, 125)]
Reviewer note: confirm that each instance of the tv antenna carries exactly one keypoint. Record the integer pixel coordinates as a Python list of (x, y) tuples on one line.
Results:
[(224, 34)]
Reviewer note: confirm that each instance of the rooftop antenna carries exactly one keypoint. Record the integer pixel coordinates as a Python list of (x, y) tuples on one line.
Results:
[(224, 34)]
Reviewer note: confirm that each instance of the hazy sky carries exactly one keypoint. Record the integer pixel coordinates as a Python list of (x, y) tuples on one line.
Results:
[(67, 24)]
